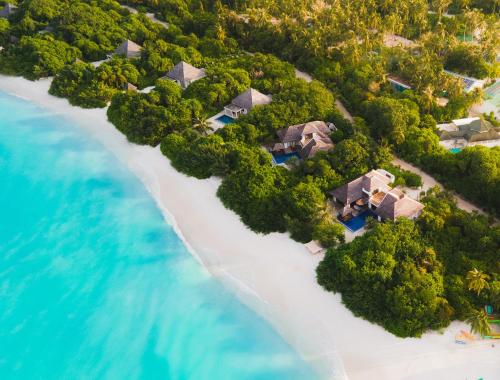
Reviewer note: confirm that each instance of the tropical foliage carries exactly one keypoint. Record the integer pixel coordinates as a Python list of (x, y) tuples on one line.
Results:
[(406, 276)]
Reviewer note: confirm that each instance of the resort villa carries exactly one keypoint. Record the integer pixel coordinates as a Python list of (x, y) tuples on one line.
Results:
[(397, 83), (184, 74), (7, 10), (468, 83), (305, 140), (128, 49), (463, 132), (244, 102), (372, 195), (240, 105)]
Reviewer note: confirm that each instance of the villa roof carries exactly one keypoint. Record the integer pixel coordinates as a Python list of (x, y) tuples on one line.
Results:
[(396, 204), (314, 146), (184, 72), (353, 190), (472, 129), (8, 9), (130, 87), (398, 80), (128, 49), (313, 136), (376, 180), (295, 132), (250, 98)]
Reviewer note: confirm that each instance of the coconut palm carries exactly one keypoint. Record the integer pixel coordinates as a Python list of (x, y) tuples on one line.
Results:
[(478, 320), (202, 125), (477, 280)]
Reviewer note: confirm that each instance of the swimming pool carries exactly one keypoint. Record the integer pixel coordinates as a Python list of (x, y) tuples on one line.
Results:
[(282, 158), (358, 222), (224, 119), (455, 150)]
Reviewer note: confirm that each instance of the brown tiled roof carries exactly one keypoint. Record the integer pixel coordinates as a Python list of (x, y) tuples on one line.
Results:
[(353, 190), (295, 132), (350, 192), (128, 49), (316, 145), (396, 204), (251, 98), (184, 72), (319, 142), (375, 180)]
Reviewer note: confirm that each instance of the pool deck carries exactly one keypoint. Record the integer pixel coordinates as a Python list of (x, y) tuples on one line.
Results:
[(216, 124)]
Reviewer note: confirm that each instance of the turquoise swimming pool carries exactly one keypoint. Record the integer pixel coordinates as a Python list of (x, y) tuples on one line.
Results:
[(224, 119), (455, 150), (282, 158), (358, 222)]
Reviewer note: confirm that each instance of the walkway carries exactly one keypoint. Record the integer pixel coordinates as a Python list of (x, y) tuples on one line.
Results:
[(430, 182), (151, 16), (308, 78), (344, 110)]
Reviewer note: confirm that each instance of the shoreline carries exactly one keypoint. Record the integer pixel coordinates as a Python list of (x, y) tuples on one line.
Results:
[(272, 274)]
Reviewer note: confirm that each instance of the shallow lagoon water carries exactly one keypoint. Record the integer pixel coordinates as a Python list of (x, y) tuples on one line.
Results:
[(94, 284)]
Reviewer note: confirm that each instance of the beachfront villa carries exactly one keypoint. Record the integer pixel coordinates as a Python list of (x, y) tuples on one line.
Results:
[(128, 49), (240, 105), (398, 84), (468, 83), (372, 195), (471, 129), (8, 10), (184, 74), (305, 140), (244, 102)]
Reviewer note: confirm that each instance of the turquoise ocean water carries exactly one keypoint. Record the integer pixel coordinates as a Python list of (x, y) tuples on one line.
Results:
[(94, 284)]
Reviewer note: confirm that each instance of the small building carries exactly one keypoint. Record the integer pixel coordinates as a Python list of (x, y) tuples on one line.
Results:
[(244, 102), (314, 247), (8, 10), (305, 139), (129, 87), (471, 129), (469, 84), (184, 74), (398, 84), (128, 49), (373, 192)]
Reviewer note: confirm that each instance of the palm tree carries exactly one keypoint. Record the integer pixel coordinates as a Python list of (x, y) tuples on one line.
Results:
[(202, 125), (477, 280), (478, 320)]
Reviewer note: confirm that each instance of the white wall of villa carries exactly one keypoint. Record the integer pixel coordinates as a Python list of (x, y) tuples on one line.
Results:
[(234, 111)]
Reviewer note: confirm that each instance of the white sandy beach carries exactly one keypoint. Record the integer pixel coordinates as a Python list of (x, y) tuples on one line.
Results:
[(275, 275)]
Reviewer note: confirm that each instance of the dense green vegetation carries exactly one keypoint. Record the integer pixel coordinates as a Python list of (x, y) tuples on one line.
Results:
[(412, 277), (407, 276)]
